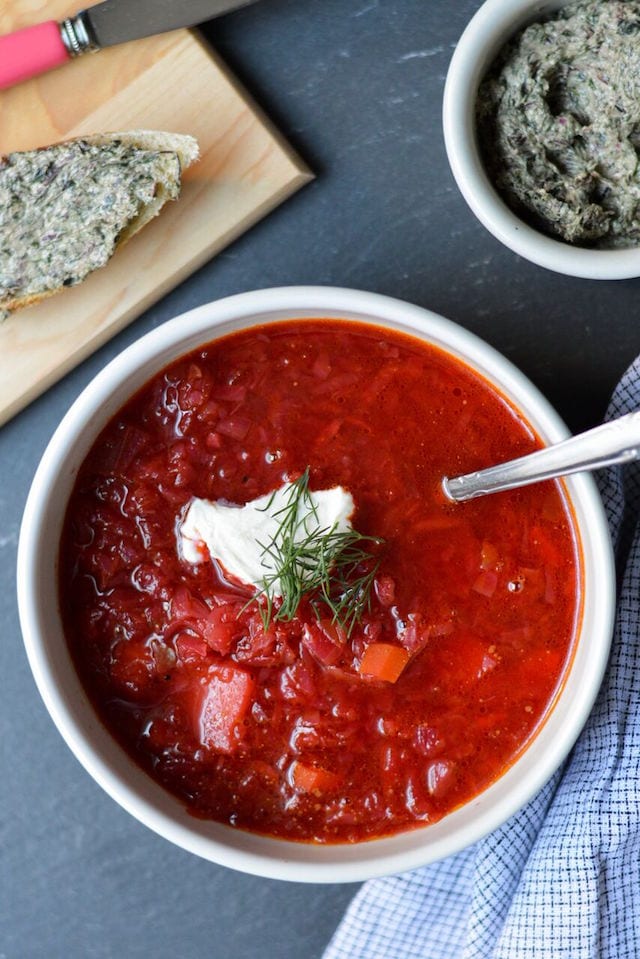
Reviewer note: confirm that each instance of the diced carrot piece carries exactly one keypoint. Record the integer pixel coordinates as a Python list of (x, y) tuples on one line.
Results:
[(312, 779), (384, 661), (224, 705), (489, 556)]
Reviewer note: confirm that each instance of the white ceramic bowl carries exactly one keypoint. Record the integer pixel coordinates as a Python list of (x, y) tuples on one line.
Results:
[(109, 764), (494, 23)]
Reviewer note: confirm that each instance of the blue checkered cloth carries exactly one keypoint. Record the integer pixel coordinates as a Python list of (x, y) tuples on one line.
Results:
[(561, 879)]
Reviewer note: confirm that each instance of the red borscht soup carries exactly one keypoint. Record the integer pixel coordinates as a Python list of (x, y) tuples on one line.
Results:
[(301, 728)]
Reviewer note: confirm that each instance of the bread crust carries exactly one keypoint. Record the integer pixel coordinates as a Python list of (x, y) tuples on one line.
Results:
[(184, 147)]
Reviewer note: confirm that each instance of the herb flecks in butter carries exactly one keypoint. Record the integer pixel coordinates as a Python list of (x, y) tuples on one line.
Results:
[(63, 208), (559, 123)]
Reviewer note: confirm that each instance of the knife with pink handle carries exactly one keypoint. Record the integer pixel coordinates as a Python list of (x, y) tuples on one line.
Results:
[(34, 50)]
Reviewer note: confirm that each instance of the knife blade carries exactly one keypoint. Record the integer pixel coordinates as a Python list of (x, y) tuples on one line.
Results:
[(34, 50), (117, 21)]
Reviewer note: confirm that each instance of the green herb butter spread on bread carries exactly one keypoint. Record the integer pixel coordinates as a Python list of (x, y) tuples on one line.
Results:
[(66, 208)]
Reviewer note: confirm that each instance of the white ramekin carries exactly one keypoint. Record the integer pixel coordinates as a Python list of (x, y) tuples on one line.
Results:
[(494, 23), (104, 759)]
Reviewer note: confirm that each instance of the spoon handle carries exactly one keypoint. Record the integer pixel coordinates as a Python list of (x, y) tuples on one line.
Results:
[(615, 442)]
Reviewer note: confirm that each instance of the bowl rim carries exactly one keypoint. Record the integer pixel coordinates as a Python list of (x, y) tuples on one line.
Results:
[(276, 858), (493, 23)]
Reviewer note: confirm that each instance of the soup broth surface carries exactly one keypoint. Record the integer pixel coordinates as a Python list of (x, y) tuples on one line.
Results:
[(277, 728)]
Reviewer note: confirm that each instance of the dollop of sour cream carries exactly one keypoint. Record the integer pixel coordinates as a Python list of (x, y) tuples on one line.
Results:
[(236, 536)]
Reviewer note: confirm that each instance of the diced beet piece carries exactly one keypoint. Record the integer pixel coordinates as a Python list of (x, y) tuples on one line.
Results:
[(297, 682), (385, 588), (486, 583), (414, 635), (225, 703), (131, 665), (184, 605), (265, 647), (122, 449), (236, 427), (191, 648), (325, 641), (231, 392), (220, 628), (322, 366)]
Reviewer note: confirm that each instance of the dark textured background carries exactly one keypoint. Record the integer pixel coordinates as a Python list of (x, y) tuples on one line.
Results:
[(357, 87)]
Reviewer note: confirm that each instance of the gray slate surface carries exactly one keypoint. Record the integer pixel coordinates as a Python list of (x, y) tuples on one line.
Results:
[(357, 86)]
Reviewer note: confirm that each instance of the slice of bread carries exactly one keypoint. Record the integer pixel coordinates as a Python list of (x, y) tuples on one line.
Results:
[(65, 209)]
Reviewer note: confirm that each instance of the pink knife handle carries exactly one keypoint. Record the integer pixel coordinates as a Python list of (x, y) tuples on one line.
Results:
[(29, 52)]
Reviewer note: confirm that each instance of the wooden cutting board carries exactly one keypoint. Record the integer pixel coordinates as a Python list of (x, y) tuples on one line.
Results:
[(172, 82)]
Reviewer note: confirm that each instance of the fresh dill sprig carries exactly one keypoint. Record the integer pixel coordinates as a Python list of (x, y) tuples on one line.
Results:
[(333, 568)]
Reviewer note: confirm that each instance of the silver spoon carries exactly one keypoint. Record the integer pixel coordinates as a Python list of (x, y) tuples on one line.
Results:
[(615, 442)]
